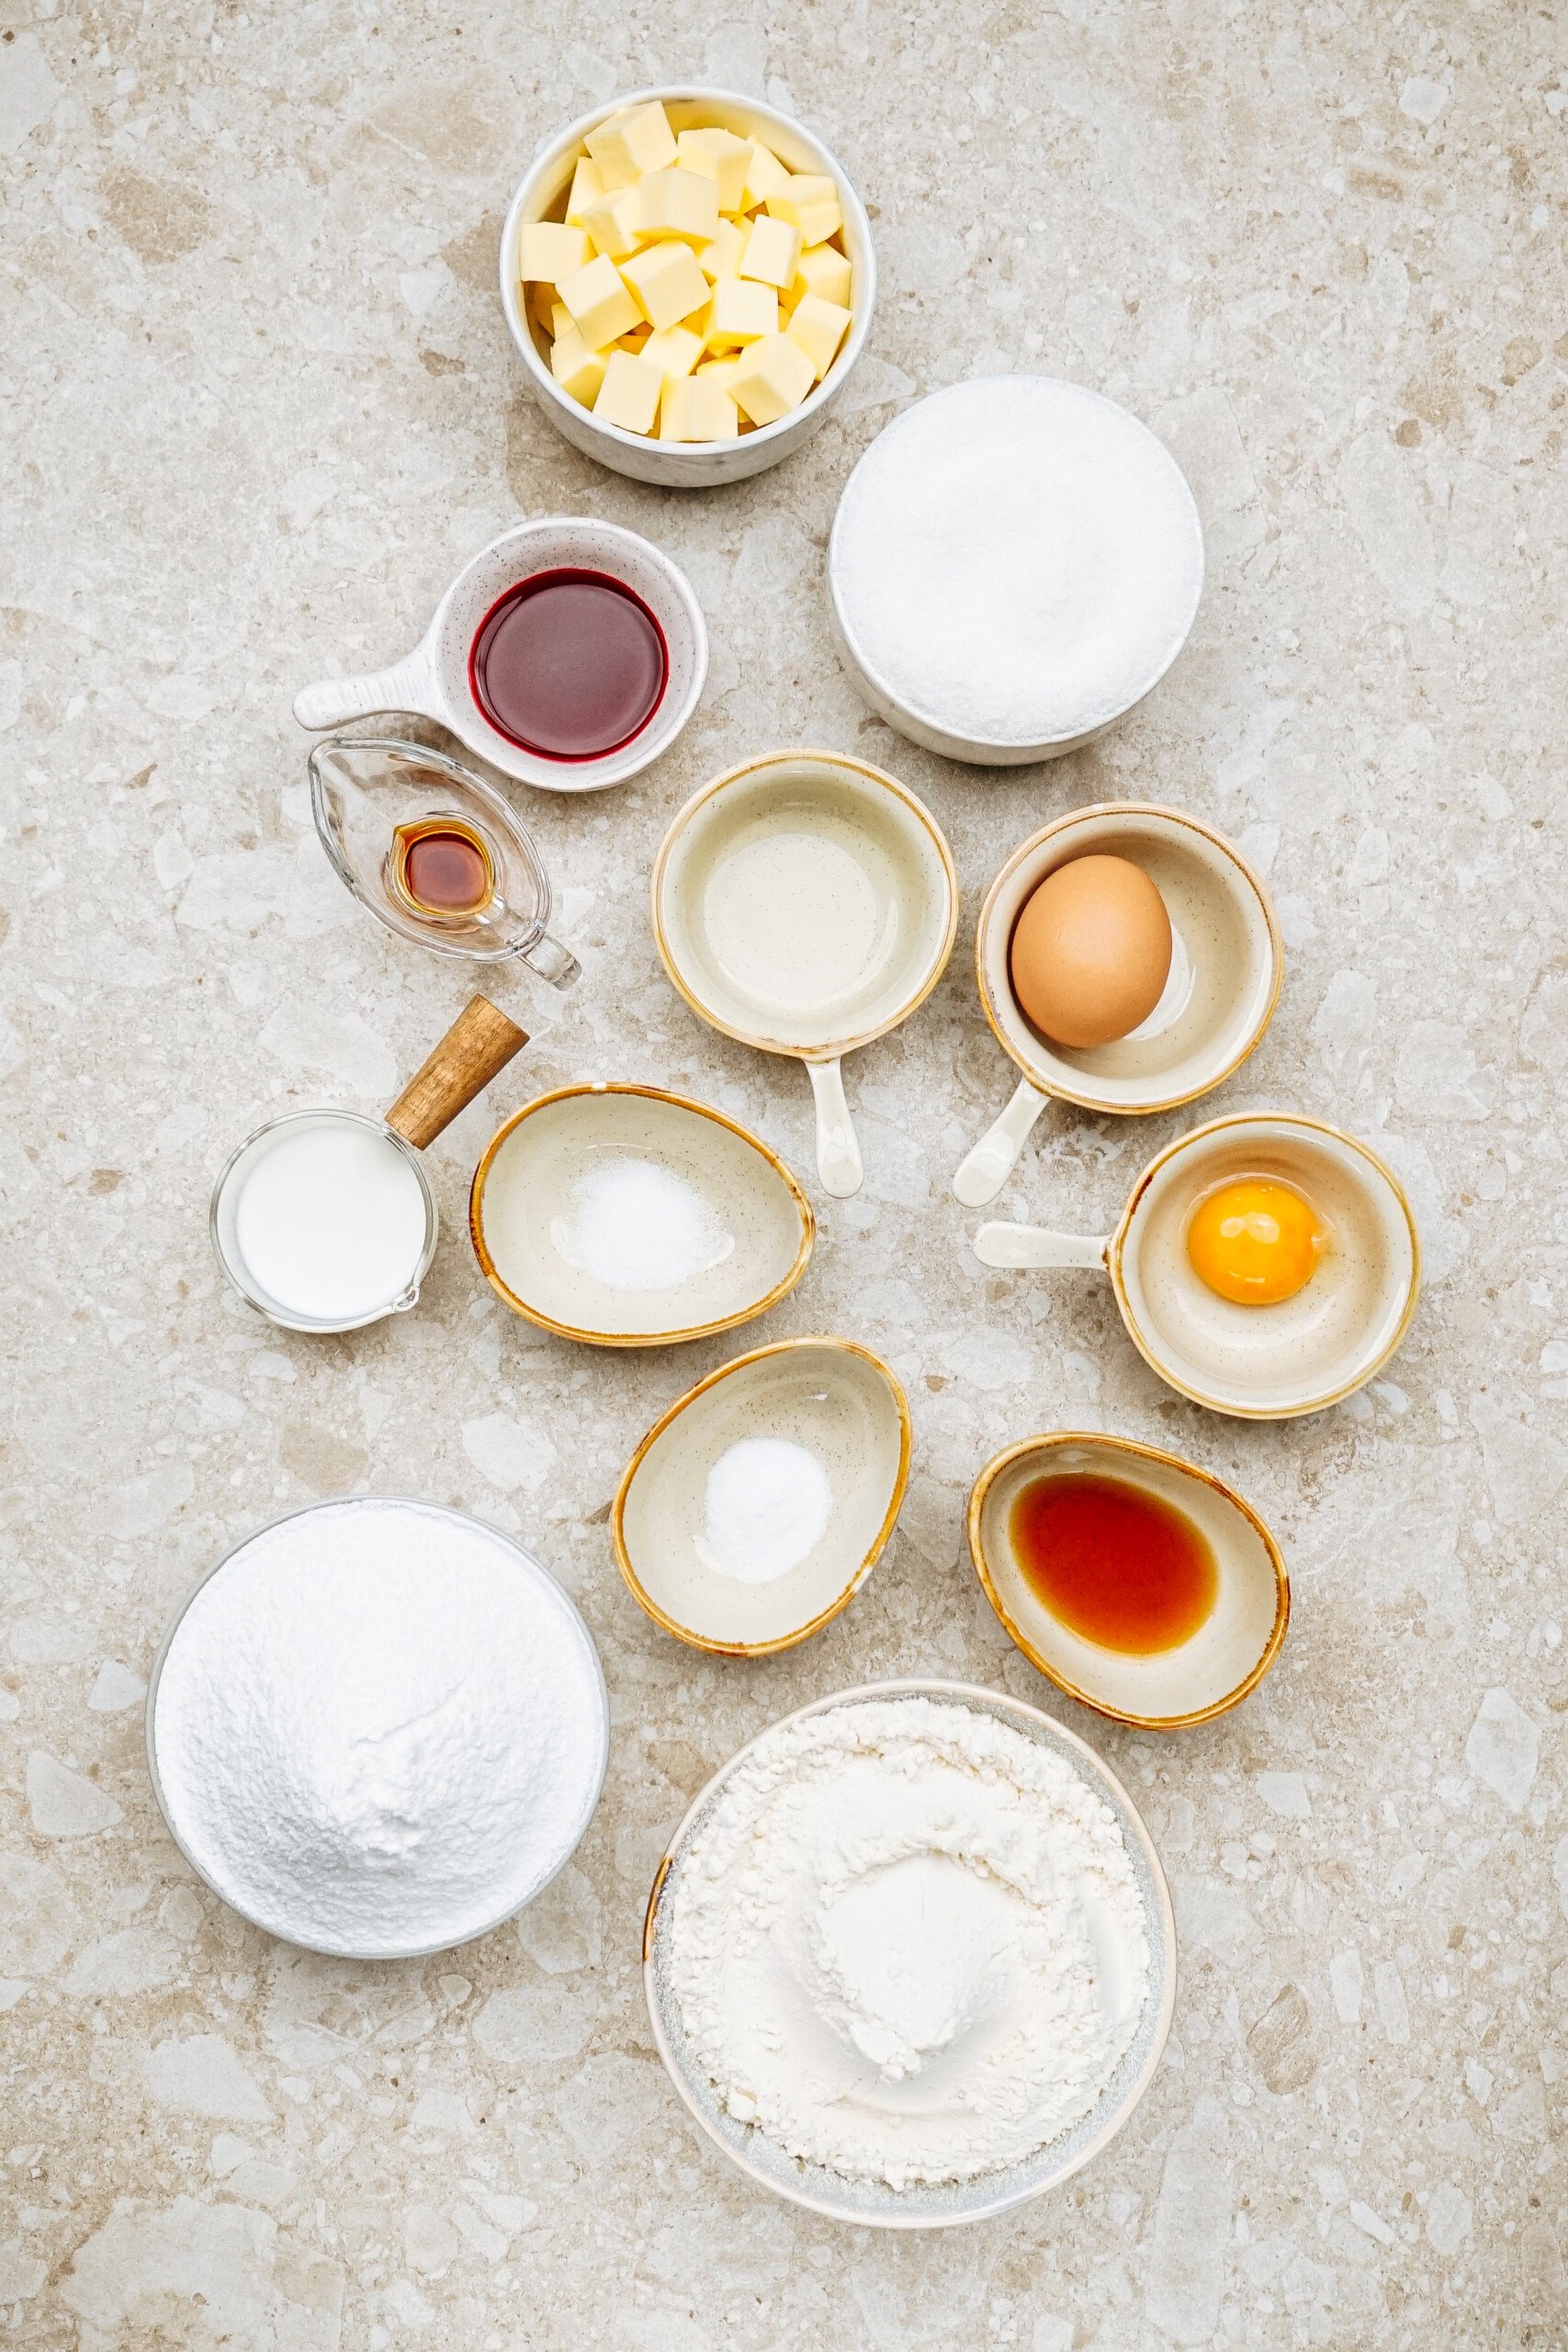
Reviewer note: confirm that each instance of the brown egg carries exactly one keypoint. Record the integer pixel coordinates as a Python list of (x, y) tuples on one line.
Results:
[(1091, 951)]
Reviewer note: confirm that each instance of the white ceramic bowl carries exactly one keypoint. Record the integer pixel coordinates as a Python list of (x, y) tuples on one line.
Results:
[(224, 1866), (875, 2203), (675, 465), (949, 431), (433, 679)]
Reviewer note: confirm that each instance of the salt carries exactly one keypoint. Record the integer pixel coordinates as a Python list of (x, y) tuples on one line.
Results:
[(379, 1727), (1015, 560), (636, 1224), (766, 1507)]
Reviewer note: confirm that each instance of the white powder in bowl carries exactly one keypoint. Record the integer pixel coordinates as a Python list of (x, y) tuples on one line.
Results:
[(1015, 560), (906, 1941), (379, 1727), (635, 1224), (765, 1509)]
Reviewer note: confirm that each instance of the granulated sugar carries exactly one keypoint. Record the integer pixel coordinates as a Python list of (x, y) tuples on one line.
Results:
[(379, 1727), (1016, 560), (635, 1224)]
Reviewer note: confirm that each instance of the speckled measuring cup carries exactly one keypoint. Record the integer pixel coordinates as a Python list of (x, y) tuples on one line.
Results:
[(434, 680)]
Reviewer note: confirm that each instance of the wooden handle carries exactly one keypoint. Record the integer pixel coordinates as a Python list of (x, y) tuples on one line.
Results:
[(480, 1042)]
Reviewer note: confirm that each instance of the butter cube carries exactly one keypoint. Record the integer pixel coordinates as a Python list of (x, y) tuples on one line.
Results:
[(823, 270), (667, 282), (717, 155), (766, 175), (636, 140), (614, 222), (773, 249), (587, 187), (721, 372), (559, 321), (549, 250), (818, 327), (811, 202), (696, 409), (629, 393), (742, 311), (722, 257), (677, 204), (674, 353), (601, 305), (773, 377), (575, 368)]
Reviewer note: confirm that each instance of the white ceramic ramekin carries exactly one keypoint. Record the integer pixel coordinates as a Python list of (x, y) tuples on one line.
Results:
[(678, 465)]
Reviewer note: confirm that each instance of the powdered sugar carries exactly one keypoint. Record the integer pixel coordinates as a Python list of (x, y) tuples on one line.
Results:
[(379, 1727), (1015, 560), (907, 1942)]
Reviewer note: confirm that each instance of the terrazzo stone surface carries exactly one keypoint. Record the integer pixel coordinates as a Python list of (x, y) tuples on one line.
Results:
[(261, 405)]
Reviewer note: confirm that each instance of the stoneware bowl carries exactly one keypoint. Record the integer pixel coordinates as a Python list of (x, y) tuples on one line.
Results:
[(1226, 966), (675, 465), (434, 681), (805, 904), (224, 1868), (1262, 1363), (889, 475), (1206, 1676), (873, 2203), (845, 1409), (549, 1214)]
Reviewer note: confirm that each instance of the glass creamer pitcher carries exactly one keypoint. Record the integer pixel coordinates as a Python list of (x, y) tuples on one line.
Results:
[(434, 853)]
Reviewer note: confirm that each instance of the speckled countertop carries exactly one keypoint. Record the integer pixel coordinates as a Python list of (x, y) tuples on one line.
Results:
[(260, 405)]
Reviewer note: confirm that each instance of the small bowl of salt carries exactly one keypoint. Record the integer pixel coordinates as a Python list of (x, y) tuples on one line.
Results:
[(1014, 564), (755, 1508)]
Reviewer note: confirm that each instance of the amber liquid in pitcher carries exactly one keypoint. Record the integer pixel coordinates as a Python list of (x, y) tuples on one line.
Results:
[(441, 867), (1115, 1565)]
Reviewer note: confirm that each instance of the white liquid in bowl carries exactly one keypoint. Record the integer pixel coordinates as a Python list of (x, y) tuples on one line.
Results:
[(330, 1220)]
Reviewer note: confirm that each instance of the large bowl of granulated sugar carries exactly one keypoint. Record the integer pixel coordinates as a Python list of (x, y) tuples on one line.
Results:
[(1015, 562), (377, 1728)]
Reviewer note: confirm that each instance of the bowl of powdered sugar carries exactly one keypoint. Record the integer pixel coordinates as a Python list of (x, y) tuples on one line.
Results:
[(910, 1959), (377, 1728), (1015, 562)]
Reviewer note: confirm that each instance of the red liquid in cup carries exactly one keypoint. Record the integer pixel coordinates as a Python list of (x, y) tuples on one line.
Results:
[(568, 664)]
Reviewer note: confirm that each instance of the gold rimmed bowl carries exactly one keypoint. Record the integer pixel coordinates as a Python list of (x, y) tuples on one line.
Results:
[(1221, 1661), (626, 1217), (755, 1508), (1227, 962), (1261, 1363)]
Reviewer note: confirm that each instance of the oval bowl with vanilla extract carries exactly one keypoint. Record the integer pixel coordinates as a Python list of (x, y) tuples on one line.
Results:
[(1141, 1586)]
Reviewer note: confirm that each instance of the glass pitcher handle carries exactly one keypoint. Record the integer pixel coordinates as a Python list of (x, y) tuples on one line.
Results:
[(552, 962)]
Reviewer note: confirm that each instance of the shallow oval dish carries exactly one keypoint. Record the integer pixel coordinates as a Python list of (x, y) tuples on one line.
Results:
[(531, 1201), (1206, 1676), (874, 2204), (695, 465), (836, 1400)]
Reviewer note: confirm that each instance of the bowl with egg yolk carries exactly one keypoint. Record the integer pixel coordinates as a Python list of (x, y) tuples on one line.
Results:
[(1267, 1265)]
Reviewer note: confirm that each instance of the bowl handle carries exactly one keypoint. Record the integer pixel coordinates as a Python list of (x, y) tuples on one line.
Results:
[(839, 1162), (982, 1175), (409, 685), (1033, 1244)]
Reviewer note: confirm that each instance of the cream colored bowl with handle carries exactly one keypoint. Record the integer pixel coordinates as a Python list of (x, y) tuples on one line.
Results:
[(1226, 967), (1194, 1680), (676, 465), (806, 904), (1261, 1363)]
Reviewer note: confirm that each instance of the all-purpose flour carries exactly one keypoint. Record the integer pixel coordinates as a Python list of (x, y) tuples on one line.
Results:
[(907, 1942), (379, 1728)]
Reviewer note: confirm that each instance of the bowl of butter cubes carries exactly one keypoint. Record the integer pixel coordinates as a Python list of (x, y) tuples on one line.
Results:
[(689, 277)]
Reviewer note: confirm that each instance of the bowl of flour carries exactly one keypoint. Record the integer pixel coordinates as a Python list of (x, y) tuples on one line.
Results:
[(1015, 562), (910, 1959), (377, 1728)]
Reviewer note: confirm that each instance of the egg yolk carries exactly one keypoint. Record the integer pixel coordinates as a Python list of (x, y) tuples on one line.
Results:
[(1255, 1241)]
